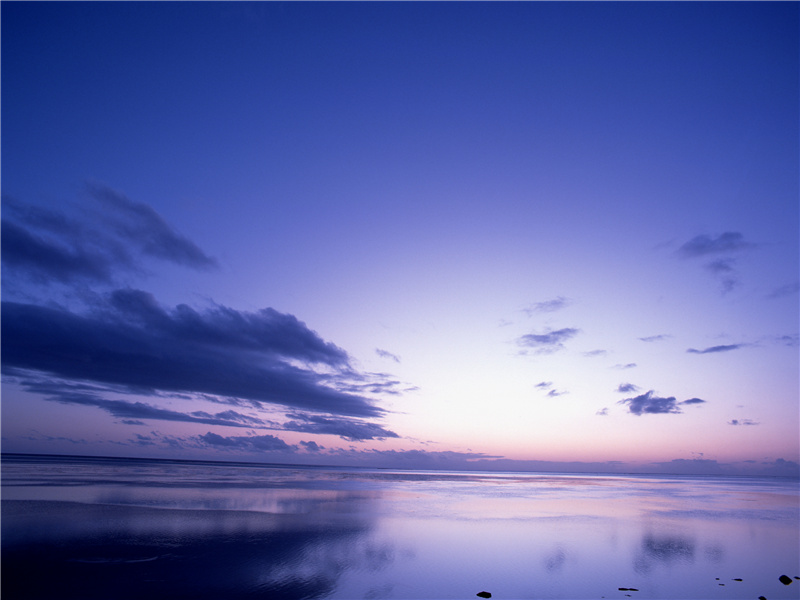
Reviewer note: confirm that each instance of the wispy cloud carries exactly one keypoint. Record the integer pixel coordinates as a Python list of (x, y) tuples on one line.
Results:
[(705, 245), (544, 385), (595, 353), (603, 412), (649, 403), (785, 290), (656, 338), (549, 341), (556, 393), (626, 388), (722, 268), (742, 422), (140, 225), (716, 349), (547, 306), (624, 366), (348, 429), (387, 354)]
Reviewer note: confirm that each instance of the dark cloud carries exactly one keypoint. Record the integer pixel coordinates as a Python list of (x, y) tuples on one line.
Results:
[(135, 343), (547, 306), (550, 341), (742, 422), (257, 443), (386, 354), (348, 429), (626, 388), (715, 349), (705, 245), (655, 338), (47, 246), (139, 224), (649, 403), (312, 446), (43, 258)]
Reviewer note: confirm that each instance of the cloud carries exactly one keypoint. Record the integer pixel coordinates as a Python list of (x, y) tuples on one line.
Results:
[(348, 429), (133, 342), (715, 349), (593, 353), (648, 403), (705, 245), (723, 269), (603, 412), (386, 354), (43, 258), (785, 290), (655, 338), (625, 366), (139, 224), (626, 388), (549, 341), (258, 443), (742, 422), (312, 446), (544, 384), (547, 306), (47, 246), (132, 413), (556, 393)]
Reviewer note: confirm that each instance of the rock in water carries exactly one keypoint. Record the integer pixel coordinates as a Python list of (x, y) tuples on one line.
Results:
[(785, 579), (483, 595)]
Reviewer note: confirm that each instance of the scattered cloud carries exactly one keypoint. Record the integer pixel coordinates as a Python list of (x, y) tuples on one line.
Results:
[(547, 306), (544, 384), (656, 338), (723, 269), (593, 353), (742, 422), (715, 349), (705, 245), (603, 412), (556, 393), (549, 341), (625, 366), (626, 388), (386, 354), (649, 403)]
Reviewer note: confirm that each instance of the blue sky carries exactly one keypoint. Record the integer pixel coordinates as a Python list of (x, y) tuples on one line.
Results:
[(454, 235)]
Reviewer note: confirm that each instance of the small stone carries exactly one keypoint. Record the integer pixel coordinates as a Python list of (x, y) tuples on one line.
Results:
[(785, 579), (483, 595)]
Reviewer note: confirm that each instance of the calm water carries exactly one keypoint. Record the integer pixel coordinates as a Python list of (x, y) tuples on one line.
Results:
[(104, 528)]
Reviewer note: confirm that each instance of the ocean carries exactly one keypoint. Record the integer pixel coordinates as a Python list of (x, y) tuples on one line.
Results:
[(102, 528)]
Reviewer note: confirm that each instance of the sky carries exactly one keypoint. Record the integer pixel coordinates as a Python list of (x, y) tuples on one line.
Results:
[(522, 236)]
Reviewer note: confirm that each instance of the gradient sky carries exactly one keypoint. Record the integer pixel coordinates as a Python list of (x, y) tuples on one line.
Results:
[(557, 236)]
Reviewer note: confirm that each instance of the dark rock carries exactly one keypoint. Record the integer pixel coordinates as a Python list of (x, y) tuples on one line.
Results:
[(785, 579), (483, 595)]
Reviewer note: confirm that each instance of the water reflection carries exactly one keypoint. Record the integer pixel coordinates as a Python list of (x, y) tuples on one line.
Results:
[(86, 551), (111, 529)]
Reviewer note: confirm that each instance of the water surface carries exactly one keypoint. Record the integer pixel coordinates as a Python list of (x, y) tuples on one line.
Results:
[(111, 528)]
